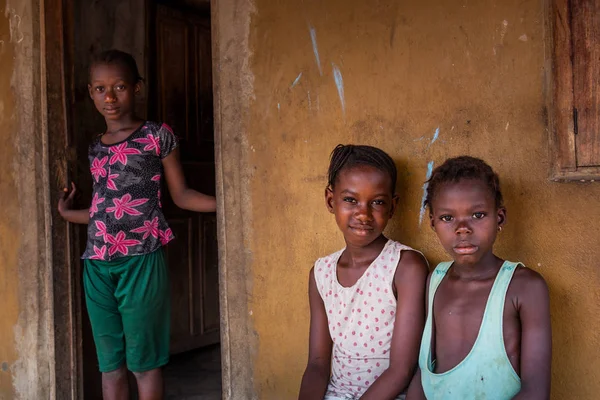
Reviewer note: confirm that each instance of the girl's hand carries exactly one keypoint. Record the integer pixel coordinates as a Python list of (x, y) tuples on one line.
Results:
[(65, 203)]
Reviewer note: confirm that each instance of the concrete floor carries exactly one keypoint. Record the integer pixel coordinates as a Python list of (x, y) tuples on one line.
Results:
[(195, 375)]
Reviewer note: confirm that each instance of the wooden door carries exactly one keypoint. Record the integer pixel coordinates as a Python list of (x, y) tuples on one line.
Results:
[(184, 101)]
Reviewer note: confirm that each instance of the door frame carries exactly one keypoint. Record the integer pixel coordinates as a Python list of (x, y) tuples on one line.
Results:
[(230, 26)]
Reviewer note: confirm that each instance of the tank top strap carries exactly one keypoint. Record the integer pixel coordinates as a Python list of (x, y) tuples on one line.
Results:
[(437, 276), (494, 310)]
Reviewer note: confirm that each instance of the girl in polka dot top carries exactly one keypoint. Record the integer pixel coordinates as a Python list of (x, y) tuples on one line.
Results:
[(367, 301)]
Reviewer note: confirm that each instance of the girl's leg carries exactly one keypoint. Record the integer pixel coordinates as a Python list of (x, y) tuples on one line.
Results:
[(150, 384), (115, 385)]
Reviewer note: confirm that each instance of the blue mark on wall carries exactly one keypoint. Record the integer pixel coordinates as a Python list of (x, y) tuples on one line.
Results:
[(339, 82), (436, 135), (425, 186), (296, 80), (313, 37)]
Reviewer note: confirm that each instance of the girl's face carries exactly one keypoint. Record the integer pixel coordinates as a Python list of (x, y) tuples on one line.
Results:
[(362, 203), (112, 90), (466, 220)]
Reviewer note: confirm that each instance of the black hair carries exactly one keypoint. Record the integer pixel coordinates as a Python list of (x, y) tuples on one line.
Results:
[(456, 169), (114, 56), (349, 155)]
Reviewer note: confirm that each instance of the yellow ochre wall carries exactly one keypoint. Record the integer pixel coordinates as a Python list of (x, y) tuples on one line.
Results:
[(475, 70)]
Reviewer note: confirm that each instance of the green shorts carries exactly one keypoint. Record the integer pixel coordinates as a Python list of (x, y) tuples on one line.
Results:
[(128, 301)]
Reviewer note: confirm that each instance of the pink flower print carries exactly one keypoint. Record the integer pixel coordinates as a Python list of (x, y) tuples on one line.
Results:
[(151, 143), (159, 202), (95, 201), (98, 168), (155, 178), (101, 230), (167, 127), (121, 152), (110, 183), (149, 228), (120, 244), (100, 253), (165, 236), (125, 205)]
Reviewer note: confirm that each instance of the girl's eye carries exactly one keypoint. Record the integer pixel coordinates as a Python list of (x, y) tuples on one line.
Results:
[(378, 202), (99, 88), (349, 200), (446, 218), (120, 87), (478, 215)]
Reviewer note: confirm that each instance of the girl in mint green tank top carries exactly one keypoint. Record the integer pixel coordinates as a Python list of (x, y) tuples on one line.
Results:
[(487, 335)]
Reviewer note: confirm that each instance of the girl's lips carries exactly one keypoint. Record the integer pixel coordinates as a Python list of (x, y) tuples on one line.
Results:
[(465, 249), (362, 230)]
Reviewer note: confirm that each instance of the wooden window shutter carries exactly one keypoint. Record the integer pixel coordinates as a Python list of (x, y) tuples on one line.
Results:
[(576, 90)]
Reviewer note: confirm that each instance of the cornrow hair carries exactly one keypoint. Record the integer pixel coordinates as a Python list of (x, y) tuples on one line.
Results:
[(114, 56), (456, 169), (349, 155)]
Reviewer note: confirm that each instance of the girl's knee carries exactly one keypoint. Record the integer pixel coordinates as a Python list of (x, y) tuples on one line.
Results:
[(152, 374), (116, 374)]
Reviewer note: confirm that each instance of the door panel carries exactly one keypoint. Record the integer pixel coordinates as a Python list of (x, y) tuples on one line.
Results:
[(184, 101)]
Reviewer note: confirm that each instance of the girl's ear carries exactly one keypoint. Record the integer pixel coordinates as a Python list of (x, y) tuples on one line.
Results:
[(329, 199), (395, 199), (90, 91), (501, 217), (431, 224), (138, 87)]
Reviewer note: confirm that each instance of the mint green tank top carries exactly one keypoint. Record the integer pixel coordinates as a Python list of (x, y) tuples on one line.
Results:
[(486, 372)]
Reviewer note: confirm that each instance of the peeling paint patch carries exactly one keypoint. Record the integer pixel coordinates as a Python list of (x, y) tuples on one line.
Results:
[(523, 38), (296, 80), (339, 82), (14, 21), (313, 38), (4, 366), (425, 186)]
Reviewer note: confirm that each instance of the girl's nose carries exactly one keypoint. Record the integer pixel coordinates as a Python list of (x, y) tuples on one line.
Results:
[(463, 228), (364, 214), (109, 97)]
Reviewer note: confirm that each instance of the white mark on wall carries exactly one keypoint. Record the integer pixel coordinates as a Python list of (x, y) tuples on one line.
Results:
[(503, 31), (296, 80), (339, 82), (278, 107), (523, 38), (507, 124), (14, 23), (318, 103), (313, 38), (425, 186)]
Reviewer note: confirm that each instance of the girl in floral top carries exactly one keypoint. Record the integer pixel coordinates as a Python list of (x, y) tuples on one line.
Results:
[(125, 274)]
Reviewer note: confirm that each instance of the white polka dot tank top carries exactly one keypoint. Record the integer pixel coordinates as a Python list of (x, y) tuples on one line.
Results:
[(361, 320)]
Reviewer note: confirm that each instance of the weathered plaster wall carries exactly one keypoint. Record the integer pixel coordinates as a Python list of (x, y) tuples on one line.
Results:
[(26, 348), (473, 70)]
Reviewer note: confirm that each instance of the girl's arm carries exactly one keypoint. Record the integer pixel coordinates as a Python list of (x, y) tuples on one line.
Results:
[(182, 195), (409, 281), (64, 208), (415, 389), (316, 376), (536, 334)]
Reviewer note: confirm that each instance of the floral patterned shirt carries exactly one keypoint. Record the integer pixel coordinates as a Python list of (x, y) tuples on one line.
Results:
[(125, 215)]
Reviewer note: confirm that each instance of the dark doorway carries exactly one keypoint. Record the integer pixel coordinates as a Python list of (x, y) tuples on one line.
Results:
[(172, 43)]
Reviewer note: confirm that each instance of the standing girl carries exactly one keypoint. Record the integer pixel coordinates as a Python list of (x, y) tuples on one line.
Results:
[(125, 274), (367, 301), (487, 334)]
